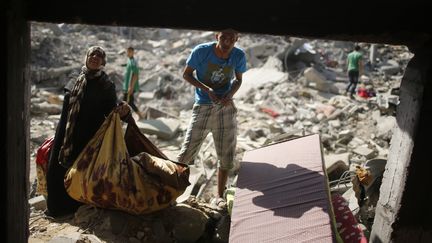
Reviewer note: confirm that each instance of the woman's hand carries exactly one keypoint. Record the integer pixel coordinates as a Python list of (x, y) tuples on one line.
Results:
[(123, 109)]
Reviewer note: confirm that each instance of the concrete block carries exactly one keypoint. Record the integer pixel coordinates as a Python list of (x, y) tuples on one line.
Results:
[(39, 203), (164, 128), (255, 77), (364, 151), (69, 238)]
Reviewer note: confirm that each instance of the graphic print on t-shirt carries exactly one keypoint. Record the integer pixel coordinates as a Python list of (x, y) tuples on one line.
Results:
[(217, 76)]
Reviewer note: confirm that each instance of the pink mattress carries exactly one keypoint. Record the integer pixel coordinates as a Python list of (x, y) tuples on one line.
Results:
[(282, 195)]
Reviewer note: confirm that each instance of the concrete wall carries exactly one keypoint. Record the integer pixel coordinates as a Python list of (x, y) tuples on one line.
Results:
[(403, 210), (15, 141)]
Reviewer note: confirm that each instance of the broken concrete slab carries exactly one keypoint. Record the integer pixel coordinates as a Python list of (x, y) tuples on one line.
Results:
[(391, 67), (254, 52), (39, 203), (39, 74), (385, 125), (351, 198), (344, 137), (164, 128), (381, 151), (146, 96), (335, 123), (256, 77), (154, 113), (345, 133), (365, 151), (319, 81), (45, 107), (313, 75), (74, 237)]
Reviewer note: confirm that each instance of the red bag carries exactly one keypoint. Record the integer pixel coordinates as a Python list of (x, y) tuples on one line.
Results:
[(42, 157), (348, 228), (43, 152)]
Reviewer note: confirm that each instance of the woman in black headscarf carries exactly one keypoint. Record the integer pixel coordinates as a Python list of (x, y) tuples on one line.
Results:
[(88, 100)]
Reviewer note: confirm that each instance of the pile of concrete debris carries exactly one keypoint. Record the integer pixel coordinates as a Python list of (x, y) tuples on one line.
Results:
[(293, 87)]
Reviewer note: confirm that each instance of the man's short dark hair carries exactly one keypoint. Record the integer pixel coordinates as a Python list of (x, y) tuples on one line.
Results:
[(228, 30), (130, 48), (357, 48)]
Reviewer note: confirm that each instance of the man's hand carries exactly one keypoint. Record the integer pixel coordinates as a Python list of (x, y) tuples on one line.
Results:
[(130, 91), (132, 84), (213, 96), (226, 100)]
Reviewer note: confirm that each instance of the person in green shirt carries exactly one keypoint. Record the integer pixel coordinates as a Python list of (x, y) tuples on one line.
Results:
[(355, 69), (130, 84)]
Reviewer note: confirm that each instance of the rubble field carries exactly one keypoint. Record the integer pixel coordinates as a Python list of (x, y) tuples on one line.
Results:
[(293, 87)]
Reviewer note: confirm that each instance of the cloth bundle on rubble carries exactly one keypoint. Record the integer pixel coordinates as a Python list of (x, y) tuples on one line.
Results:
[(125, 173), (367, 182)]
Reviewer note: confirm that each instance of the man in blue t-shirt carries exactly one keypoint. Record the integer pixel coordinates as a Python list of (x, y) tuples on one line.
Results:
[(215, 69)]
